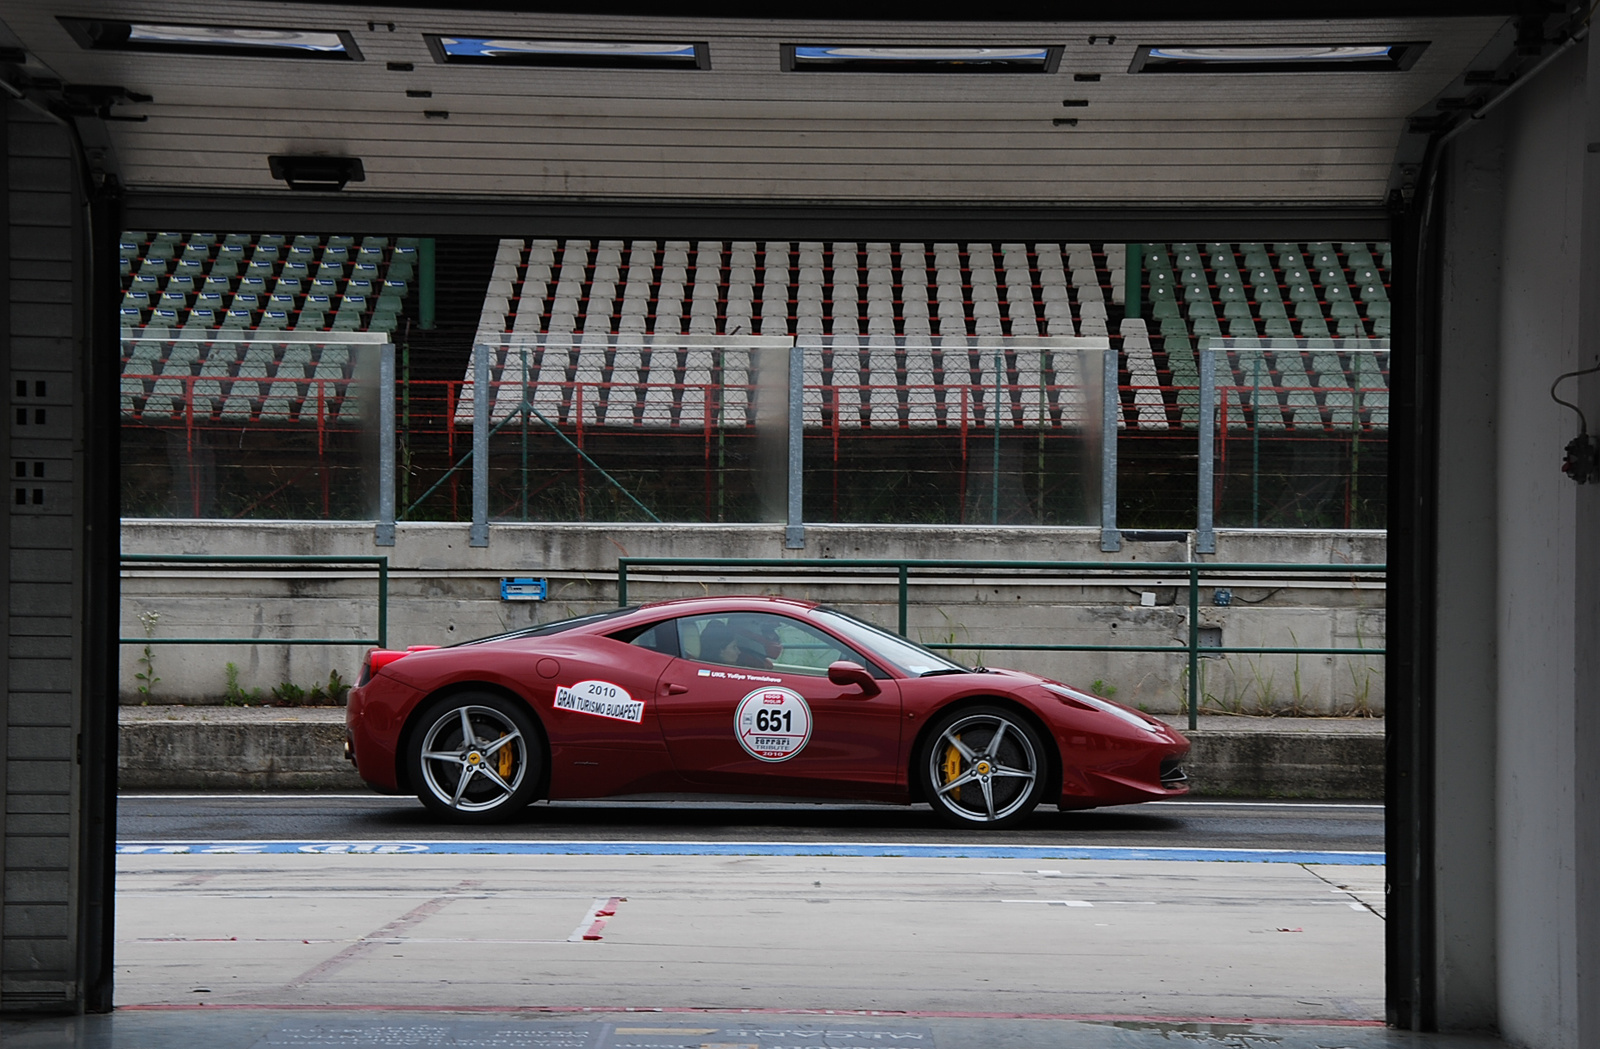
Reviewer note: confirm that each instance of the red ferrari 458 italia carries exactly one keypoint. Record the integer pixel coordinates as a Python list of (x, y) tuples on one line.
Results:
[(744, 695)]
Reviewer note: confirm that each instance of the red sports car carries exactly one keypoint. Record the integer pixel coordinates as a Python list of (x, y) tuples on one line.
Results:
[(746, 695)]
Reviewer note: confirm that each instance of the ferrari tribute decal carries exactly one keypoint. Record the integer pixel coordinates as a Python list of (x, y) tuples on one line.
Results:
[(773, 724), (600, 698)]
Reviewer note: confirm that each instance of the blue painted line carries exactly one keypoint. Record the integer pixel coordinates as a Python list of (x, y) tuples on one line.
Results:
[(744, 848)]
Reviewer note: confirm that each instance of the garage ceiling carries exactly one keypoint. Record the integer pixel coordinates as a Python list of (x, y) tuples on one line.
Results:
[(746, 130)]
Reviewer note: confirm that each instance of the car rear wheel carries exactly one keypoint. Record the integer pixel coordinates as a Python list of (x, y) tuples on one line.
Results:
[(983, 767), (476, 757)]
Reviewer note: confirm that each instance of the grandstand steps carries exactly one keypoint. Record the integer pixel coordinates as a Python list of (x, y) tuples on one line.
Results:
[(462, 269)]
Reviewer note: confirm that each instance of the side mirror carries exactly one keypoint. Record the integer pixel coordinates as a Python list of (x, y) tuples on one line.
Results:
[(845, 672)]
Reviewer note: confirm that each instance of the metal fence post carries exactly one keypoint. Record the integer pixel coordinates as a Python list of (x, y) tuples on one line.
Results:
[(905, 572), (383, 603), (794, 535), (482, 402), (1194, 648), (622, 582), (383, 534), (1205, 538), (1110, 410)]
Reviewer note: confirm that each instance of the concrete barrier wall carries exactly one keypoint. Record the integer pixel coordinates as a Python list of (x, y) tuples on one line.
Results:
[(442, 591), (269, 749)]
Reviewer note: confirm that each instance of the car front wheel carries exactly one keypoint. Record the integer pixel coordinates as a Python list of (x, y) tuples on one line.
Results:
[(983, 767), (476, 757)]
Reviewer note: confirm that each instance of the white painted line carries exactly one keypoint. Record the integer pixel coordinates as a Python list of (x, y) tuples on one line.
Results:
[(274, 796), (593, 922), (1055, 903), (1181, 803)]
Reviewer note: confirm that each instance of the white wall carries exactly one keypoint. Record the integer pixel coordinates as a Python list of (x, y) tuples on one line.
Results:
[(1509, 597)]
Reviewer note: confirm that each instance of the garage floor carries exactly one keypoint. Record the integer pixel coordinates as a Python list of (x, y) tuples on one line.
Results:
[(646, 951)]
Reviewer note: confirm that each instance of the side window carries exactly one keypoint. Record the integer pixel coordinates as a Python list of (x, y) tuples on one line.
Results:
[(760, 640), (662, 637)]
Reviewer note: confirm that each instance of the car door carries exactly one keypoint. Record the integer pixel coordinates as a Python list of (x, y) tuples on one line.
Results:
[(747, 705)]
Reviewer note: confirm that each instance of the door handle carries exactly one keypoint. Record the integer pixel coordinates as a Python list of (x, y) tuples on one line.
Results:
[(674, 689)]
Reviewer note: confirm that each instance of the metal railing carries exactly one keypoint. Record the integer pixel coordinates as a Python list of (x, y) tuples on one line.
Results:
[(1191, 571), (379, 562)]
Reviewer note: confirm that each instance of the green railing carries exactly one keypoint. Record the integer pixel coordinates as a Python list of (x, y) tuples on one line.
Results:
[(381, 564), (1190, 570)]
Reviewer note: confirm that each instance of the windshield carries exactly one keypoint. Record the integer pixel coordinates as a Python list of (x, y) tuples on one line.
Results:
[(892, 648), (557, 626)]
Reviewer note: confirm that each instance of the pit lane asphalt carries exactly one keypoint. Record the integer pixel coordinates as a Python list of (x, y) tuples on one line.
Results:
[(1186, 823)]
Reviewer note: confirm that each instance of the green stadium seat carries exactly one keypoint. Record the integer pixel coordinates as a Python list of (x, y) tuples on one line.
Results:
[(1272, 309), (236, 240), (1161, 309), (1277, 328), (1237, 310), (309, 320), (1314, 327), (1302, 291), (1343, 308)]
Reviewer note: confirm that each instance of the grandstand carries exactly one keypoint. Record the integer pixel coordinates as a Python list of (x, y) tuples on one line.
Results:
[(903, 300), (917, 339)]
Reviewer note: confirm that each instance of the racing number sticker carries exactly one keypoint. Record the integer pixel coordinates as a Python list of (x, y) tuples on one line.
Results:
[(600, 698), (773, 724)]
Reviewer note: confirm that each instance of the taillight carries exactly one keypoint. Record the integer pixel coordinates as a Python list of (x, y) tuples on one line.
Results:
[(378, 658)]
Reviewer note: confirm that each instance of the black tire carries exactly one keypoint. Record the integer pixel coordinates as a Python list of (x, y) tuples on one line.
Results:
[(481, 780), (968, 784)]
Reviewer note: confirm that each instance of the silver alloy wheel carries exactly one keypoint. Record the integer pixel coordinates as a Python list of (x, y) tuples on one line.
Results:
[(474, 758), (983, 768)]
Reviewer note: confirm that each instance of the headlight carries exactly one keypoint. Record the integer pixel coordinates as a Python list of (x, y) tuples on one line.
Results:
[(1099, 704)]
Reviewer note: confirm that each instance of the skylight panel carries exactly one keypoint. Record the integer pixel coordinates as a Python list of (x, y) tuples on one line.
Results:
[(876, 58), (256, 41), (590, 54), (1275, 58)]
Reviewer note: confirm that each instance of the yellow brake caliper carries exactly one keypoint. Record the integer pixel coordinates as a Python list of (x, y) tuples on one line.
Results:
[(952, 769), (505, 758)]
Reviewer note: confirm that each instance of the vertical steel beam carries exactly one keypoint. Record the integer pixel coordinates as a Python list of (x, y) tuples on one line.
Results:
[(426, 314), (1133, 280), (1110, 411), (482, 403), (383, 534), (1205, 535), (794, 535)]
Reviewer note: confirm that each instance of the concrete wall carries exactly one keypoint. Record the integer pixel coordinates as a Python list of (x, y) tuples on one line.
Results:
[(443, 591), (1515, 934)]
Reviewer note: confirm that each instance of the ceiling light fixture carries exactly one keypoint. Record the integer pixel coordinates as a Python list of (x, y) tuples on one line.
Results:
[(887, 58), (588, 54), (247, 41), (316, 173), (1275, 58)]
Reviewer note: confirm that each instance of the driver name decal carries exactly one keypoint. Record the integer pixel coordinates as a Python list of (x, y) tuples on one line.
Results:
[(602, 699), (773, 724)]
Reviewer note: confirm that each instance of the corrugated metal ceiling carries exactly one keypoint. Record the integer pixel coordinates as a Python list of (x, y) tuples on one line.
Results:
[(745, 130)]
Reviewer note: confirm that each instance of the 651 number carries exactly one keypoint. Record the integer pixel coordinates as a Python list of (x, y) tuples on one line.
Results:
[(772, 721)]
